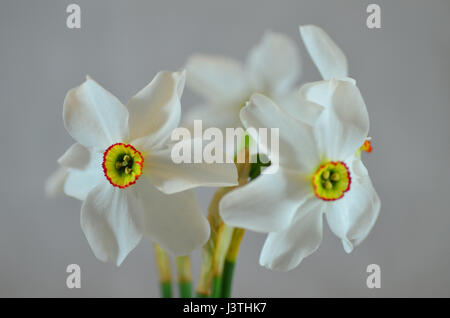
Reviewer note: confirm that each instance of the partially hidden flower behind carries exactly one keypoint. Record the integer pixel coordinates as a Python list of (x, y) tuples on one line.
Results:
[(121, 168), (325, 53), (330, 61), (320, 173), (272, 69), (225, 84)]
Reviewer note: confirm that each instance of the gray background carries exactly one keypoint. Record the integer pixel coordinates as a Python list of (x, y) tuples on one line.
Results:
[(403, 71)]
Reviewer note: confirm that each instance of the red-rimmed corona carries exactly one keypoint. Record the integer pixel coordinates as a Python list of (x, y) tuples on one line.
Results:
[(122, 165), (331, 181)]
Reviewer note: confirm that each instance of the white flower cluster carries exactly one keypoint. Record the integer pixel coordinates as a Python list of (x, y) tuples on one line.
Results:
[(120, 165)]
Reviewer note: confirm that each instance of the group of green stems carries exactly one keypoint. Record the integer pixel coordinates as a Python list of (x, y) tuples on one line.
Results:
[(221, 284), (184, 279)]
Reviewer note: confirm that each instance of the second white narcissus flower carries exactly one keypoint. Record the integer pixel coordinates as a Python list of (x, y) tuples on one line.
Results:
[(121, 168), (272, 68), (320, 174)]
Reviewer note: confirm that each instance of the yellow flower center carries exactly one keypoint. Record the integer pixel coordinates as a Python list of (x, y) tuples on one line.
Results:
[(331, 181), (122, 165)]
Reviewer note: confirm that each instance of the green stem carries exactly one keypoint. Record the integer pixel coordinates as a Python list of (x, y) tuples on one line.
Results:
[(224, 240), (227, 278), (214, 251), (217, 287), (185, 289), (201, 295), (230, 261), (164, 271), (166, 289), (183, 264)]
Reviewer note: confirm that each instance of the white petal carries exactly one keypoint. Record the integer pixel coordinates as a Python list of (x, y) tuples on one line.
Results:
[(342, 128), (274, 64), (266, 204), (94, 117), (155, 111), (286, 249), (80, 181), (295, 105), (220, 117), (358, 169), (76, 156), (297, 145), (55, 183), (170, 177), (109, 219), (326, 55), (218, 79), (352, 217), (217, 118), (174, 221), (321, 92)]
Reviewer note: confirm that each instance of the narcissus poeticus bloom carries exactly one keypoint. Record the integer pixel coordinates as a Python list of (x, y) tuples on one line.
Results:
[(121, 168), (320, 174), (272, 68)]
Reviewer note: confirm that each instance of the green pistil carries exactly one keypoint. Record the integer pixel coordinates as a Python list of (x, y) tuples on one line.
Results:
[(330, 179), (125, 164)]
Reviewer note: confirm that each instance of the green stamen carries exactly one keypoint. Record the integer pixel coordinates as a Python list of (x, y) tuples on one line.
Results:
[(335, 177)]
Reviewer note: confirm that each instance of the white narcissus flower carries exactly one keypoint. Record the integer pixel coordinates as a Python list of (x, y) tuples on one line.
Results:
[(320, 174), (272, 68), (121, 168)]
